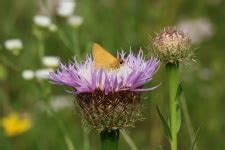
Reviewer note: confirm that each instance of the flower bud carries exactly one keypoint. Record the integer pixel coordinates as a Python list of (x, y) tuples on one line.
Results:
[(172, 46), (53, 28)]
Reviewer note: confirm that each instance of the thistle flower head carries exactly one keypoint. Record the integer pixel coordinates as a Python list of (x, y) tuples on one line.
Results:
[(108, 98), (172, 46)]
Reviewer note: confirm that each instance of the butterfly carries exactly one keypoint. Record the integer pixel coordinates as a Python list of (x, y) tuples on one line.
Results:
[(103, 59)]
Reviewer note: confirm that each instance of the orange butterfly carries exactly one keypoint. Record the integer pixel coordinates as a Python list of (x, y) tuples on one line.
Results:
[(104, 59)]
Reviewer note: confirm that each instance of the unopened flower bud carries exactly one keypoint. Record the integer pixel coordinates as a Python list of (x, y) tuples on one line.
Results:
[(53, 28), (172, 46)]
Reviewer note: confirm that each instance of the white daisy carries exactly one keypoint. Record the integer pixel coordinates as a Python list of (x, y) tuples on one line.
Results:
[(75, 21), (42, 21), (42, 74), (51, 61), (198, 29), (13, 44), (66, 8), (28, 74)]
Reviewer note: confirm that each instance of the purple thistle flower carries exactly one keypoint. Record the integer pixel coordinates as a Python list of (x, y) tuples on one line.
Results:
[(84, 78), (108, 98)]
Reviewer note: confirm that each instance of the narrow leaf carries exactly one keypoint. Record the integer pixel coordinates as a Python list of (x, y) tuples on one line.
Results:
[(165, 124), (194, 140), (179, 91), (178, 110)]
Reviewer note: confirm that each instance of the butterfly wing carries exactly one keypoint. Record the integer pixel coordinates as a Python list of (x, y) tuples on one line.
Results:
[(104, 59)]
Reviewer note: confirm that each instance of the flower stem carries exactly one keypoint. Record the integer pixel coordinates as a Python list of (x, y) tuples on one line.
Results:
[(173, 81), (86, 145), (41, 50), (128, 139), (109, 139), (75, 43)]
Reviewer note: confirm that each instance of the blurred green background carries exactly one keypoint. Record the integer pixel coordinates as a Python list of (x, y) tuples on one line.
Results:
[(117, 25)]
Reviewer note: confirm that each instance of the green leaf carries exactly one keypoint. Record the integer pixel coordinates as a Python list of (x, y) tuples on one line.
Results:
[(194, 140), (165, 124), (179, 91), (178, 109), (169, 122)]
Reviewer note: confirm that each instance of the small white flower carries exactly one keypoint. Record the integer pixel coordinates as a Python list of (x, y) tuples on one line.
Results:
[(51, 61), (13, 44), (75, 21), (66, 8), (198, 29), (28, 74), (42, 74), (42, 21)]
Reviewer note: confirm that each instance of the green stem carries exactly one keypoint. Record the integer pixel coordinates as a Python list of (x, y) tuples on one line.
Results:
[(46, 96), (8, 63), (85, 139), (109, 139), (64, 39), (187, 119), (128, 139), (41, 49), (75, 42), (173, 79)]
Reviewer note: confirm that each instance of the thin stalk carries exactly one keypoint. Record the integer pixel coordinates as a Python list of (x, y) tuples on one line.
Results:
[(86, 145), (41, 47), (173, 81), (75, 42), (64, 39), (109, 139), (46, 96), (187, 119), (8, 63), (128, 139)]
